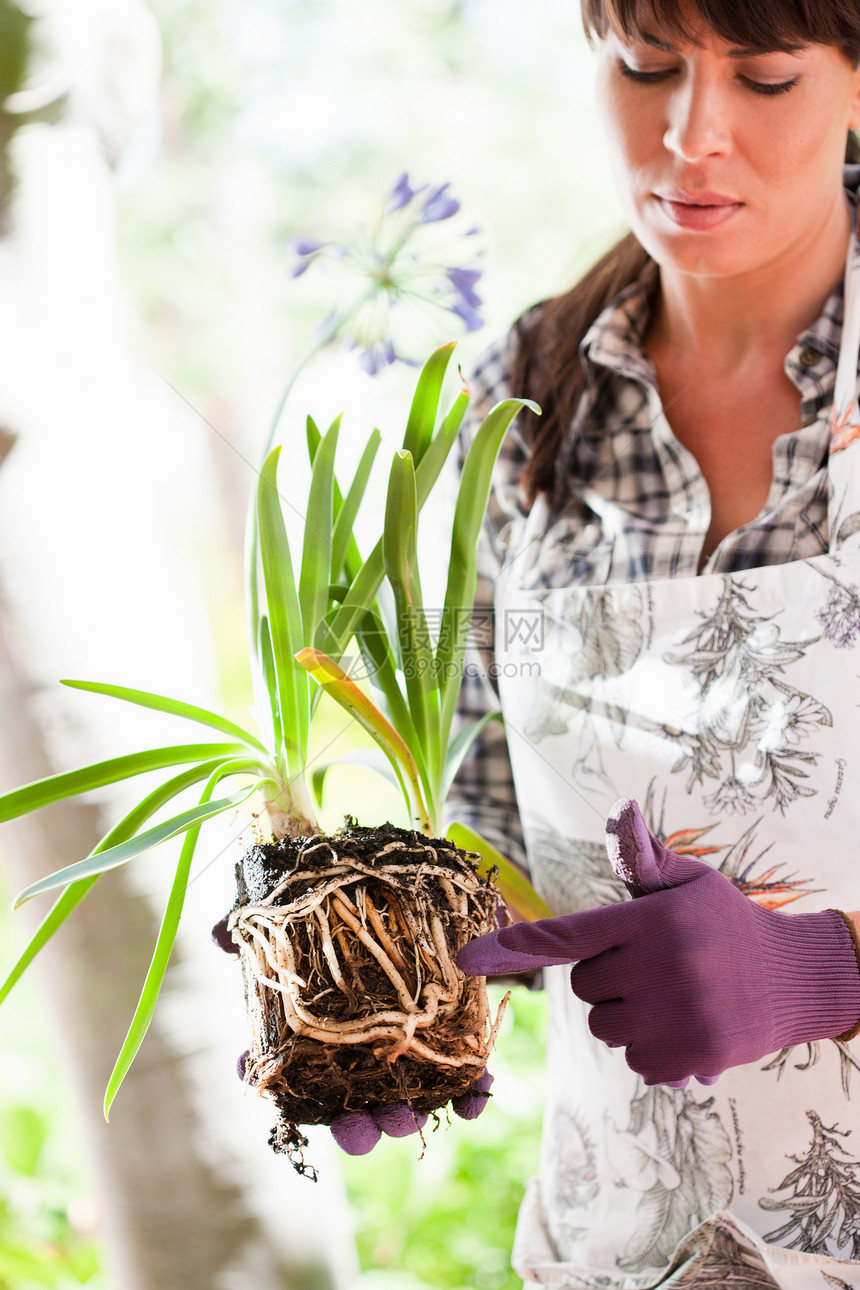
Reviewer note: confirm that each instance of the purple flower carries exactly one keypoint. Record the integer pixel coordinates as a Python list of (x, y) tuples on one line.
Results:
[(438, 207), (392, 270), (470, 316), (402, 193), (306, 250), (463, 281), (374, 358), (840, 617)]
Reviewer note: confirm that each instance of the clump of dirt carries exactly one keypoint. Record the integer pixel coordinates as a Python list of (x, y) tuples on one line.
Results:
[(348, 947)]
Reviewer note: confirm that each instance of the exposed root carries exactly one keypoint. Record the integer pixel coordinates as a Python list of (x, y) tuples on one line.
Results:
[(348, 946)]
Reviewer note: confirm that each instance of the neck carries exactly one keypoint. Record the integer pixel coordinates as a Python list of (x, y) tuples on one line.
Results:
[(720, 325)]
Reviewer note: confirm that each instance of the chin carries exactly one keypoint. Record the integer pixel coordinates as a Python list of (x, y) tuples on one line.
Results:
[(706, 254)]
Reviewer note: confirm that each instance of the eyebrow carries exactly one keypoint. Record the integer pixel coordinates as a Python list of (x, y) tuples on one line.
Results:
[(738, 51)]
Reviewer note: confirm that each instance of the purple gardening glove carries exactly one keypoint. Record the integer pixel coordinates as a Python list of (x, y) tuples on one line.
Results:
[(357, 1132), (691, 977)]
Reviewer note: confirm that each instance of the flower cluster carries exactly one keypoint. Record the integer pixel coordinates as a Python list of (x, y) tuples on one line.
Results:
[(840, 617), (396, 277)]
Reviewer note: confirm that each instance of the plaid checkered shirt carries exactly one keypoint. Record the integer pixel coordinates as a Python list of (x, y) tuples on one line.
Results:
[(637, 508)]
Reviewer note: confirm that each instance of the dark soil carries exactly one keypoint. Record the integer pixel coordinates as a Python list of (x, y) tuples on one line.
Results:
[(313, 1081)]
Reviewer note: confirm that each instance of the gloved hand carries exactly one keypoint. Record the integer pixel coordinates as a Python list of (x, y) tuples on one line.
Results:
[(691, 977), (357, 1132)]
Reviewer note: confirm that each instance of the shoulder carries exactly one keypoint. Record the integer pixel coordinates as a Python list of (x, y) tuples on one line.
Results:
[(490, 381), (491, 377)]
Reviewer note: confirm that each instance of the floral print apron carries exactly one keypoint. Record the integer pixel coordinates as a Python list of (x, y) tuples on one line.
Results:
[(729, 706)]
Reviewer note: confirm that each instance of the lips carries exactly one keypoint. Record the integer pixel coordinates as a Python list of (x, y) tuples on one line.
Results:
[(680, 196), (697, 210)]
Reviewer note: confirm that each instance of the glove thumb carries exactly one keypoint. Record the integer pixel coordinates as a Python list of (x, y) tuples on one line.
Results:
[(641, 861)]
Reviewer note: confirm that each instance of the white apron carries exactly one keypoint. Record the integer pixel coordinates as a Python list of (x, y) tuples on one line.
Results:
[(729, 706)]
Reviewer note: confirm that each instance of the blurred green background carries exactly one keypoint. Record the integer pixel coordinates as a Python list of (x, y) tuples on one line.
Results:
[(265, 120)]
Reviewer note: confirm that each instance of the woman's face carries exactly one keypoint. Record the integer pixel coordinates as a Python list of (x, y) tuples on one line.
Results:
[(725, 159)]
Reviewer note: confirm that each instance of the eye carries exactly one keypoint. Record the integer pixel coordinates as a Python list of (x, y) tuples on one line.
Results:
[(758, 87)]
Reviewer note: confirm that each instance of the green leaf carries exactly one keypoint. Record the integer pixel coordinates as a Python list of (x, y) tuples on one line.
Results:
[(285, 619), (113, 857), (125, 828), (400, 555), (514, 888), (267, 667), (313, 436), (342, 538), (425, 403), (316, 568), (336, 683), (166, 937), (461, 745), (365, 585), (173, 706), (21, 801), (472, 498), (378, 658)]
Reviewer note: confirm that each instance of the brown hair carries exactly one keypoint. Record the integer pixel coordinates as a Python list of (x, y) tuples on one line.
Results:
[(547, 367)]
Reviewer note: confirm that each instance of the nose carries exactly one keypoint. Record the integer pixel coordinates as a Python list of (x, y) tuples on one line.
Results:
[(699, 124)]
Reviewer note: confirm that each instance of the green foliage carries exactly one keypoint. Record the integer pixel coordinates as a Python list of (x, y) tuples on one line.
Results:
[(422, 708), (332, 594), (46, 1211)]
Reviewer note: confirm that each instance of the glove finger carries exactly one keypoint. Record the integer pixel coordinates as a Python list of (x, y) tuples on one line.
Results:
[(611, 1023), (355, 1132), (707, 1079), (600, 978), (485, 956), (675, 1083), (642, 861), (222, 937), (397, 1119), (470, 1105), (545, 943)]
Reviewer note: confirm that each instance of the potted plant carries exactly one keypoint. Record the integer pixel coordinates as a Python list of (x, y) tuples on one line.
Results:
[(348, 943)]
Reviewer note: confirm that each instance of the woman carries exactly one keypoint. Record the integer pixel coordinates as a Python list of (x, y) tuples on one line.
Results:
[(672, 567)]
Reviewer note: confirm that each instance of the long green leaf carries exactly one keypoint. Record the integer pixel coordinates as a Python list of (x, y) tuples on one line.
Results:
[(166, 938), (113, 857), (267, 667), (313, 438), (400, 556), (316, 571), (461, 745), (425, 403), (173, 706), (125, 828), (336, 683), (21, 801), (285, 619), (472, 497), (378, 657), (342, 537), (365, 585), (514, 888)]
